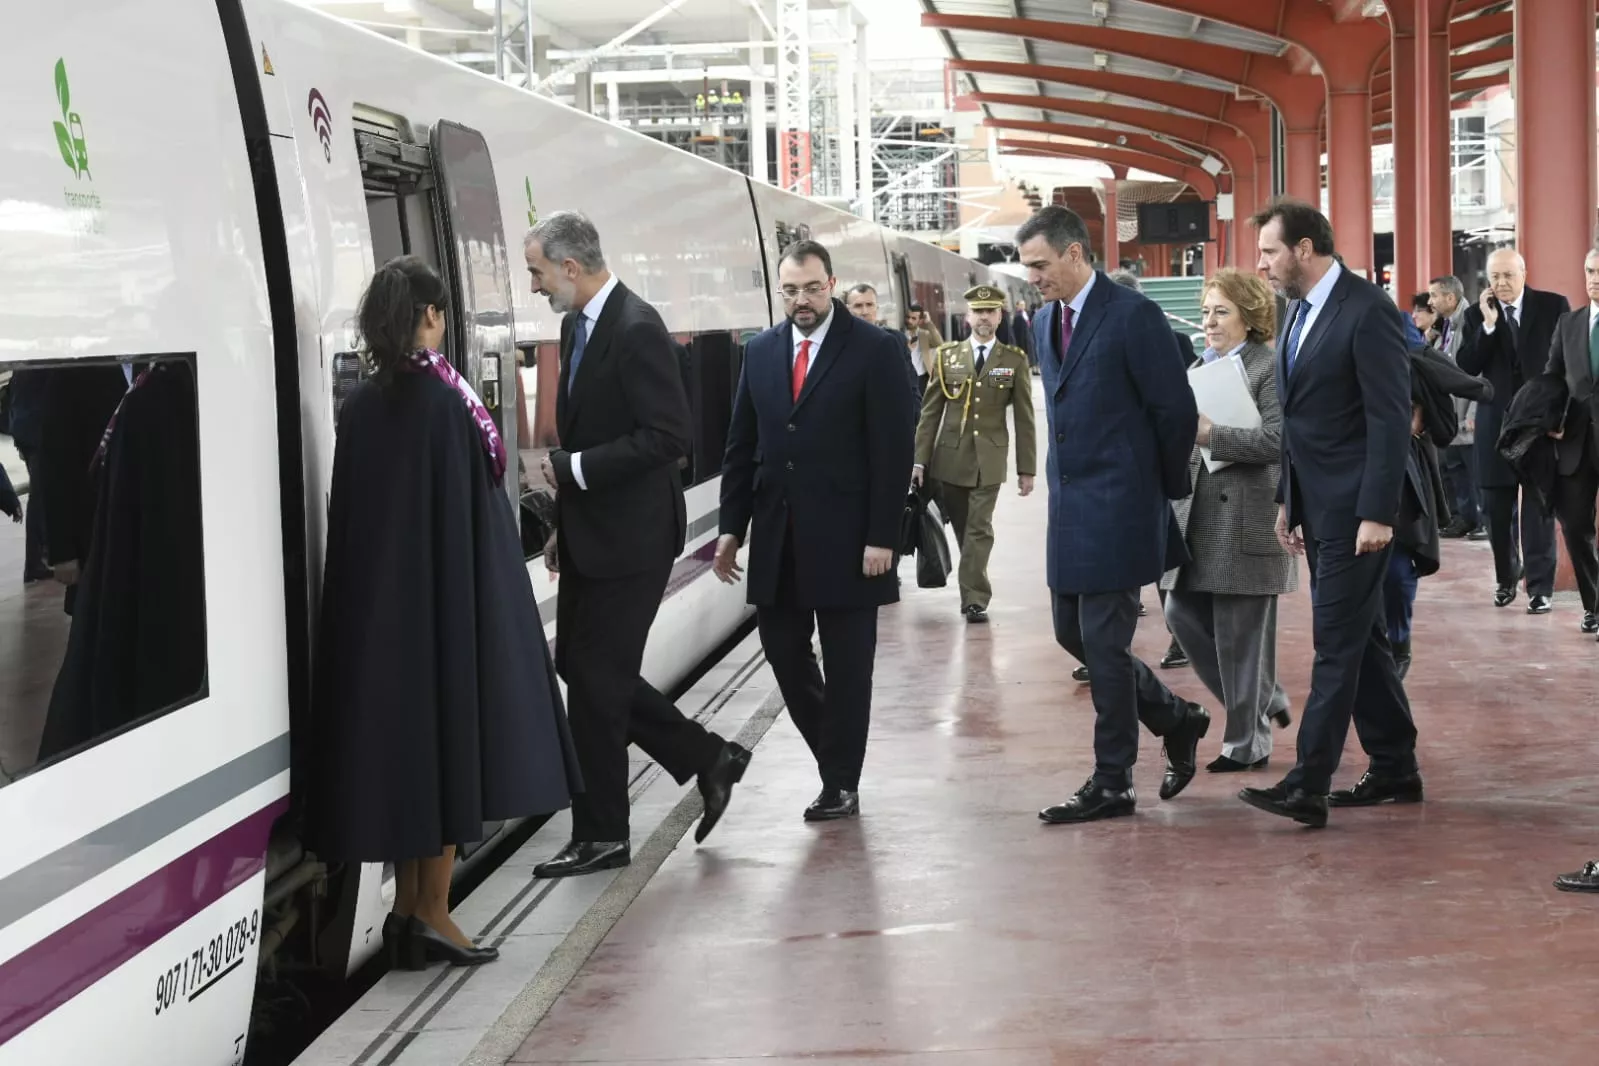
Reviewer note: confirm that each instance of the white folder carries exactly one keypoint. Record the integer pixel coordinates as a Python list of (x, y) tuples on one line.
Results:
[(1221, 392)]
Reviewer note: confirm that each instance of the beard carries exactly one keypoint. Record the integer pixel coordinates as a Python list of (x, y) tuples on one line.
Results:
[(1294, 283), (562, 297)]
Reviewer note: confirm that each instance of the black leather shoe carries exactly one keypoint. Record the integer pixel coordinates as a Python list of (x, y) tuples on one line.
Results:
[(1538, 605), (1080, 675), (1402, 657), (1455, 530), (1282, 718), (833, 803), (585, 857), (1090, 804), (1303, 807), (1584, 880), (1374, 788), (1182, 751), (1480, 533), (716, 786), (974, 613), (1221, 764), (1174, 657), (1504, 595), (424, 944), (394, 930), (1590, 622), (1142, 610)]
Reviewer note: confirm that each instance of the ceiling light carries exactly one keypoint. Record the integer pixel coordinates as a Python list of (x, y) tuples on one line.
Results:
[(1101, 60), (1101, 9)]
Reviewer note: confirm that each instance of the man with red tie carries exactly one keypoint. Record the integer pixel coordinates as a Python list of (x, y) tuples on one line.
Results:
[(818, 462)]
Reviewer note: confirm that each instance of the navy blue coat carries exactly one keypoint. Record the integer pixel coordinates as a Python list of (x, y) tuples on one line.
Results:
[(837, 463), (1122, 423), (1346, 413)]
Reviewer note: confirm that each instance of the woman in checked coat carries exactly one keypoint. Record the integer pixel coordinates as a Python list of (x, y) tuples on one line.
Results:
[(1222, 606)]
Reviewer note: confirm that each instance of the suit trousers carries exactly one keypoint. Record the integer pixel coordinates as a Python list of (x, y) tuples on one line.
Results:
[(1399, 594), (1537, 539), (1231, 642), (602, 626), (971, 512), (1353, 676), (1460, 474), (1574, 506), (832, 711), (1097, 629)]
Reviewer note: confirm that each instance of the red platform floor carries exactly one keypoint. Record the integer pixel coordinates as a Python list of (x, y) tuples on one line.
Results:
[(948, 926)]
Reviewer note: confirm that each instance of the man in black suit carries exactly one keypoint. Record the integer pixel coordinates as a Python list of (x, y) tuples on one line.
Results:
[(1574, 356), (1343, 375), (861, 300), (1506, 339), (819, 460), (624, 424)]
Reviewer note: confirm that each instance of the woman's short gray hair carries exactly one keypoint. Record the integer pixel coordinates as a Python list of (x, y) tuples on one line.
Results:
[(568, 235)]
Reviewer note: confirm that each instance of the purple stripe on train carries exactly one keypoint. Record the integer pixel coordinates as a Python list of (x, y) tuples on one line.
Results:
[(77, 955)]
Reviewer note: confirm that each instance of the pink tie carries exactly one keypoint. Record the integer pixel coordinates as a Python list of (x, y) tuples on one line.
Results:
[(802, 362), (1065, 329)]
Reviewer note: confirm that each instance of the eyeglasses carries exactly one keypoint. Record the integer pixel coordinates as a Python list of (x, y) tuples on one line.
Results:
[(810, 292)]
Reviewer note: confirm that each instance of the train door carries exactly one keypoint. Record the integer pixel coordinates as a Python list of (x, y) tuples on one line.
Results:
[(902, 286)]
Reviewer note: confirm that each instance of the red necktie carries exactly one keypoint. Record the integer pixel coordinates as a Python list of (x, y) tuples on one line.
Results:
[(802, 362)]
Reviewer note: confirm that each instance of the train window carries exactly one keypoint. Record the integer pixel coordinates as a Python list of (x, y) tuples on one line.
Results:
[(102, 582)]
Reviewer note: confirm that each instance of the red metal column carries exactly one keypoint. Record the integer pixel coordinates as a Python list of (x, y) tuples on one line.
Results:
[(1349, 174), (1556, 187), (1436, 235), (1409, 170), (1245, 199), (1112, 238), (1304, 164)]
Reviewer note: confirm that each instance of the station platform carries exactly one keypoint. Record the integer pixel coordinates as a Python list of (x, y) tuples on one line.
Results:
[(949, 927)]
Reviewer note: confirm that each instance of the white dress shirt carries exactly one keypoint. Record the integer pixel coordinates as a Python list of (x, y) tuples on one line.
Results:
[(917, 362), (1314, 301), (1488, 328), (591, 316), (1078, 303), (1593, 313)]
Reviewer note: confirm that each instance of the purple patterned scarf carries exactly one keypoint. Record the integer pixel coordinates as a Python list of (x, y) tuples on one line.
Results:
[(433, 363)]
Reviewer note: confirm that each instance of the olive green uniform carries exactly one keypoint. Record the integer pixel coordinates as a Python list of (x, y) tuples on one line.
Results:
[(963, 442)]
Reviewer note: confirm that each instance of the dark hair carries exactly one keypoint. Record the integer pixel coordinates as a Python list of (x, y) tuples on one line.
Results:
[(1061, 227), (863, 287), (1422, 301), (918, 308), (392, 307), (800, 251), (1299, 222)]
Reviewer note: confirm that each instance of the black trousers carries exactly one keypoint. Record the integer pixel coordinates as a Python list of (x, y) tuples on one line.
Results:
[(1537, 539), (1459, 463), (601, 628), (1574, 506), (1097, 629), (832, 711), (1354, 676)]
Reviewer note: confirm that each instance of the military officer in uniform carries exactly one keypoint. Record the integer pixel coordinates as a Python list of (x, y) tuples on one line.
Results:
[(962, 439)]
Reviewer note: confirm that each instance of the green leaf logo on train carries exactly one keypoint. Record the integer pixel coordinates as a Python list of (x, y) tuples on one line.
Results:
[(69, 131), (532, 212)]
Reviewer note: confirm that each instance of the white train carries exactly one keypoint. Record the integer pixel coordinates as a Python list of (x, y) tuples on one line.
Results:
[(204, 186)]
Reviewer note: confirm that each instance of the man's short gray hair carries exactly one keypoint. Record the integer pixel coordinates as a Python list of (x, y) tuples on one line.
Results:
[(568, 235), (1127, 279), (1450, 284)]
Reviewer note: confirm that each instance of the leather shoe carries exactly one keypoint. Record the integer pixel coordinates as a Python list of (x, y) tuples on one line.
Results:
[(1174, 657), (1221, 764), (1374, 788), (1182, 751), (1504, 595), (1590, 622), (1584, 880), (1282, 718), (1538, 605), (1080, 675), (1402, 657), (833, 803), (1306, 808), (585, 857), (1480, 533), (1091, 803), (716, 786), (974, 613), (424, 944)]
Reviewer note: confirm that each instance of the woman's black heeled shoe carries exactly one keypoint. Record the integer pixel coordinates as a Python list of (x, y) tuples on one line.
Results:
[(425, 944), (394, 929)]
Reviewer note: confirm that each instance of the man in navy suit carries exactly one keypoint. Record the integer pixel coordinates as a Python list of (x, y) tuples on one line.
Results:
[(1122, 423), (1343, 374), (819, 461)]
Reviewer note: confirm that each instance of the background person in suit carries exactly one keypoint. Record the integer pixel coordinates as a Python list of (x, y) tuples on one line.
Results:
[(1447, 298), (624, 423), (1343, 379), (861, 300), (1121, 426), (1509, 353), (818, 460), (1222, 605), (1574, 356)]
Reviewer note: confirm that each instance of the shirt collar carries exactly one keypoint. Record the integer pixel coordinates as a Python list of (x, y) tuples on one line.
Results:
[(592, 309), (1317, 296), (1081, 299), (1593, 312), (816, 337)]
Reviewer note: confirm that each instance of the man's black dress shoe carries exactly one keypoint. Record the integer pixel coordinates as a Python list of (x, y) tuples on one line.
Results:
[(1221, 764), (1402, 657), (974, 613), (1182, 751), (716, 786), (1142, 610), (833, 803), (1584, 880), (424, 944), (1091, 803), (1538, 605), (1374, 788), (1282, 718), (1480, 533), (1504, 595), (1303, 807), (585, 857), (1080, 675), (1590, 622), (1174, 657)]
